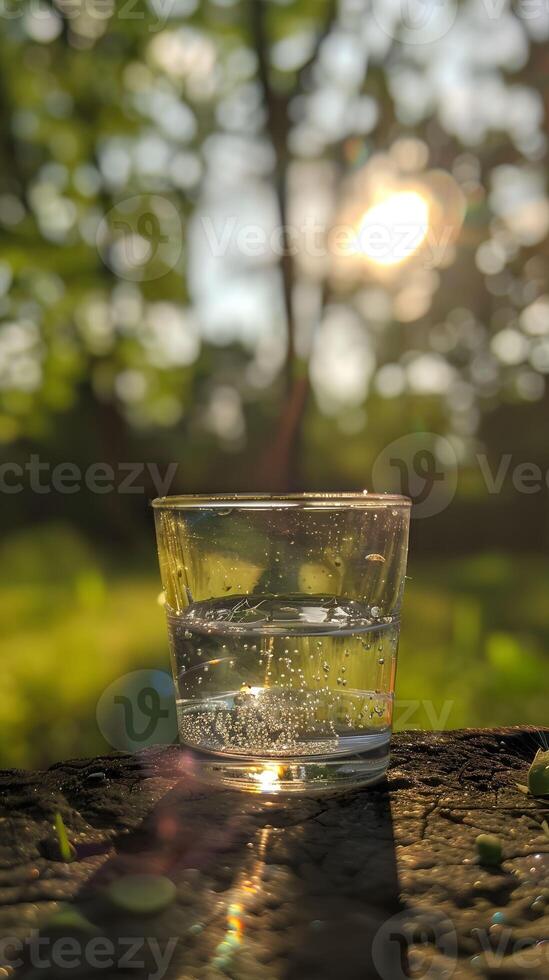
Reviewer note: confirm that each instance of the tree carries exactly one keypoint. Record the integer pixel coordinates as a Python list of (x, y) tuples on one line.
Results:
[(131, 127)]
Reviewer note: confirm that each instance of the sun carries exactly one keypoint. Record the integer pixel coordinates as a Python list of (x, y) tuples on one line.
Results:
[(393, 229)]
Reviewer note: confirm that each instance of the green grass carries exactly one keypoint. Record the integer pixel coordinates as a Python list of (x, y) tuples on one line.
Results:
[(474, 647), (475, 642)]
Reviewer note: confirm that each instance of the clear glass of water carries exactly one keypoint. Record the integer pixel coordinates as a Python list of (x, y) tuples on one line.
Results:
[(283, 618)]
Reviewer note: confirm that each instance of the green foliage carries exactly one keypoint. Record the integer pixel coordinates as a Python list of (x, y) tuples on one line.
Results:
[(67, 852), (95, 104), (52, 553), (538, 774), (68, 921)]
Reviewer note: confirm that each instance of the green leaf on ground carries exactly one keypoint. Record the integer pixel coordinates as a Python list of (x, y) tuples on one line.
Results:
[(66, 850), (538, 774), (142, 894)]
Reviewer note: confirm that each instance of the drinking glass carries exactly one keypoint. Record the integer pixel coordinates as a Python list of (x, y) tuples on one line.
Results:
[(283, 616)]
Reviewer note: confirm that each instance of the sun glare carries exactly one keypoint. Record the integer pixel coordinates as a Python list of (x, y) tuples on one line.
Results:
[(393, 229), (268, 779)]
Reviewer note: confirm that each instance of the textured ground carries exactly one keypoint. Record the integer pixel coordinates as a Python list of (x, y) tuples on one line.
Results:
[(381, 882)]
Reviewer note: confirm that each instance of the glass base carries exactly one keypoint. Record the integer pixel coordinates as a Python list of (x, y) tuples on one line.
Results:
[(297, 775)]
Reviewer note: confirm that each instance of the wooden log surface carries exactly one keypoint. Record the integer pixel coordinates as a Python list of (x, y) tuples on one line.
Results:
[(382, 882)]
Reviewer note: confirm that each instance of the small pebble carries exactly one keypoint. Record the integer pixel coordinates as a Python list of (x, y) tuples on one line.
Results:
[(489, 850), (225, 949), (220, 963), (96, 777)]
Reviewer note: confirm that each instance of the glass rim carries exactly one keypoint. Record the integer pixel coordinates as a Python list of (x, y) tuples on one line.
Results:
[(246, 501)]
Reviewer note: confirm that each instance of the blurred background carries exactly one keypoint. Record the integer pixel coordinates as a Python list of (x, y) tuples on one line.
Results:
[(271, 244)]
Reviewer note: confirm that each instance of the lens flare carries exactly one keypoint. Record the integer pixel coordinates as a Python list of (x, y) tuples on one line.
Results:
[(393, 229), (268, 779), (249, 884)]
